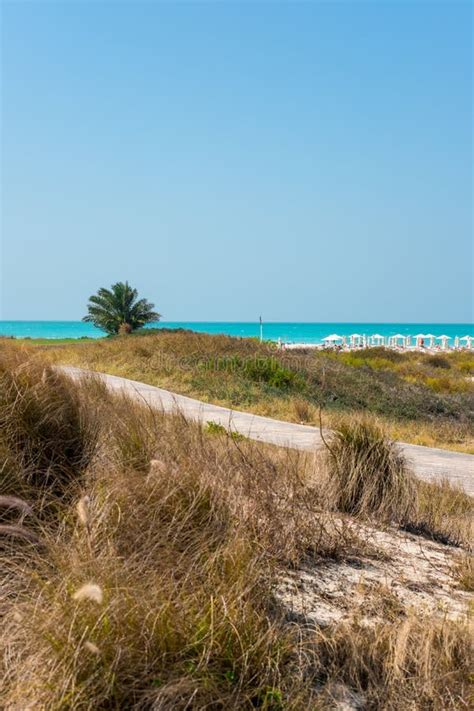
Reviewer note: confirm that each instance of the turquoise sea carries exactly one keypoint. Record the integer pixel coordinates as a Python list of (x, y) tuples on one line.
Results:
[(288, 332)]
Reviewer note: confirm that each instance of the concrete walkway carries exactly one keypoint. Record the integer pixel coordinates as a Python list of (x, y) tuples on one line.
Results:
[(427, 462)]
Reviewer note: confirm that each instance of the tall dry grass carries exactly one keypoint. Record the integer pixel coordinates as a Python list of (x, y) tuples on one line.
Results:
[(403, 664), (443, 512), (48, 433), (367, 474), (149, 584), (154, 587)]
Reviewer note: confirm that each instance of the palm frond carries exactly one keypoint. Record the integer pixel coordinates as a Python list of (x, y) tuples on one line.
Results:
[(110, 309)]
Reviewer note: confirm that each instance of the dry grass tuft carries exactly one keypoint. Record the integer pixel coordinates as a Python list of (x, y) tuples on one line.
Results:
[(12, 506), (367, 472), (366, 475), (303, 410)]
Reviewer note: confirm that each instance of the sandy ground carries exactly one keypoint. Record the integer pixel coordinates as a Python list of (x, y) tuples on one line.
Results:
[(412, 572)]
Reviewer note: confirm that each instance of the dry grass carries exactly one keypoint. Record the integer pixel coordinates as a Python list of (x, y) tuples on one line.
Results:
[(176, 545), (49, 434), (367, 474), (304, 412), (464, 572), (402, 664), (418, 401), (444, 513), (455, 435), (149, 583)]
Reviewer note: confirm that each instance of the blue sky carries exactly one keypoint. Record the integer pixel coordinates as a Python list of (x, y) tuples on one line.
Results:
[(304, 161)]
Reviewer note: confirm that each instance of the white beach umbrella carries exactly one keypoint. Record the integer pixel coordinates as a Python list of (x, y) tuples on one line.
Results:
[(398, 337), (467, 338), (419, 337), (355, 339), (333, 337), (444, 340)]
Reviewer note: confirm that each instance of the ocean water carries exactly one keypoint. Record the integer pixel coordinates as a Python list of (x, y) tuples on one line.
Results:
[(288, 332)]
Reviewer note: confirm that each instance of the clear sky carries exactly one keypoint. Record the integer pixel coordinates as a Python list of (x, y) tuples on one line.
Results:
[(308, 161)]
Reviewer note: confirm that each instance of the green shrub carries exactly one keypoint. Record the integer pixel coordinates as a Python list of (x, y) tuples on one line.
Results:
[(370, 354), (269, 371), (437, 361), (214, 428), (445, 384), (259, 369), (467, 367)]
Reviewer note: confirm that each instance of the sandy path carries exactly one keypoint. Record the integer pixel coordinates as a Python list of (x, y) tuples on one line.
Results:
[(428, 462)]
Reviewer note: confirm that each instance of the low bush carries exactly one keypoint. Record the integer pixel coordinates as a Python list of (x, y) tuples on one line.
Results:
[(447, 385), (260, 369), (269, 371), (214, 428), (437, 361)]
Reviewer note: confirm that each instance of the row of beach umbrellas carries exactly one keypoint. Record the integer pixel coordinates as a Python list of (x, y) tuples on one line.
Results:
[(356, 339)]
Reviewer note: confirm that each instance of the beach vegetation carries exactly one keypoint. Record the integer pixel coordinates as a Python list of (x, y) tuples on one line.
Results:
[(260, 369), (304, 412), (464, 572), (437, 361), (144, 568), (367, 472), (118, 310), (215, 428), (47, 439), (403, 392), (444, 513)]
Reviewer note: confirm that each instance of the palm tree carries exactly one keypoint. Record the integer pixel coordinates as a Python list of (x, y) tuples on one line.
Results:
[(118, 309)]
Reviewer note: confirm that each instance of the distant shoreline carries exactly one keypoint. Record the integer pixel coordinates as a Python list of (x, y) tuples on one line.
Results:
[(292, 334)]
